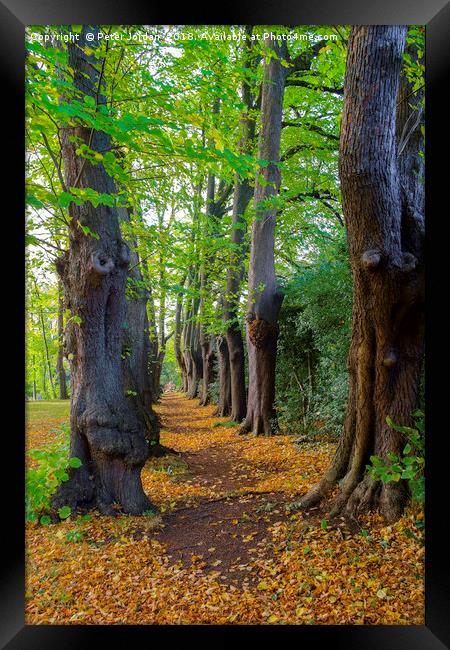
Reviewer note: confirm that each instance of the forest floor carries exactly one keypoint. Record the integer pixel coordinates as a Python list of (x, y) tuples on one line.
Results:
[(228, 546)]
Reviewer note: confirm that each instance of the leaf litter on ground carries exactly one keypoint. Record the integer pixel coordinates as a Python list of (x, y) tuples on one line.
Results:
[(226, 546)]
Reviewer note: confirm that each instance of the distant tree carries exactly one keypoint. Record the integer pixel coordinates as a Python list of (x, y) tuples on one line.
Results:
[(264, 296)]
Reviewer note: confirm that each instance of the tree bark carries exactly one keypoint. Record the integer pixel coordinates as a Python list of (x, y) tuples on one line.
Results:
[(224, 405), (177, 338), (241, 199), (107, 433), (206, 339), (383, 209), (264, 297), (192, 352), (137, 353), (152, 341), (60, 360)]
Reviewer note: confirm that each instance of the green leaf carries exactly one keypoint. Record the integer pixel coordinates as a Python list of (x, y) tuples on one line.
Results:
[(65, 199), (45, 520), (64, 512), (75, 462), (90, 101)]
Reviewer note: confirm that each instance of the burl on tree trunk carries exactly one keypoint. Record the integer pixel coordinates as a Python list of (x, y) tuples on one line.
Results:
[(264, 297), (383, 208), (107, 433)]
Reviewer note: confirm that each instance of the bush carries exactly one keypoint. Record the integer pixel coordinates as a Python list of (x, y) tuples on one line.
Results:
[(315, 329), (410, 465), (41, 481)]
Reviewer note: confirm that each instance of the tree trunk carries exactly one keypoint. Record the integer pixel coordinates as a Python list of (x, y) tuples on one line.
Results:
[(206, 339), (241, 199), (191, 350), (136, 357), (34, 380), (264, 297), (224, 405), (152, 342), (177, 338), (44, 338), (385, 228), (208, 359), (107, 433), (195, 362), (60, 360)]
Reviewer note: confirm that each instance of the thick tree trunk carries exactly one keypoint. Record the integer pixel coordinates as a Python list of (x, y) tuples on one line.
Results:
[(264, 297), (236, 355), (224, 405), (206, 339), (137, 359), (107, 433), (384, 239), (177, 338), (208, 360), (192, 352), (235, 343), (241, 199), (60, 360), (152, 342), (195, 367)]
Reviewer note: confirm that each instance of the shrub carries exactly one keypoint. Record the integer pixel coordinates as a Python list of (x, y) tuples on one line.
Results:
[(42, 480), (315, 327), (408, 466)]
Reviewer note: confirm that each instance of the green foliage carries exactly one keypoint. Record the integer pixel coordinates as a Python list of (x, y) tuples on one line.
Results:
[(409, 465), (227, 424), (170, 373), (52, 463), (75, 536), (315, 325)]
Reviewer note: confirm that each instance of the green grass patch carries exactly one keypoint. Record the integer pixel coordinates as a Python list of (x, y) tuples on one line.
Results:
[(39, 410), (228, 423)]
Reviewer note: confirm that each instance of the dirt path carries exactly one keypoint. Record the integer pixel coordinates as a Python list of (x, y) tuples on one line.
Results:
[(227, 529)]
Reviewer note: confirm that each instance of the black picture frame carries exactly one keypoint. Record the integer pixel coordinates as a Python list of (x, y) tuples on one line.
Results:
[(435, 14)]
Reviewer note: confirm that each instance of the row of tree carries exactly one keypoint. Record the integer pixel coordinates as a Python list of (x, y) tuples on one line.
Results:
[(182, 187)]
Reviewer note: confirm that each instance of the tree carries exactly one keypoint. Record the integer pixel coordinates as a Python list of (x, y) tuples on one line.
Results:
[(383, 209), (224, 407), (107, 434), (264, 296), (137, 350), (241, 198), (60, 360)]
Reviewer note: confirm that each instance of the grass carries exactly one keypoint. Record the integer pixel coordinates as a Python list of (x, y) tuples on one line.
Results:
[(43, 418), (43, 409)]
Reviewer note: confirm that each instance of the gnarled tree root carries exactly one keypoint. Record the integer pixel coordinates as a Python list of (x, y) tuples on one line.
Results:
[(355, 498), (257, 425)]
